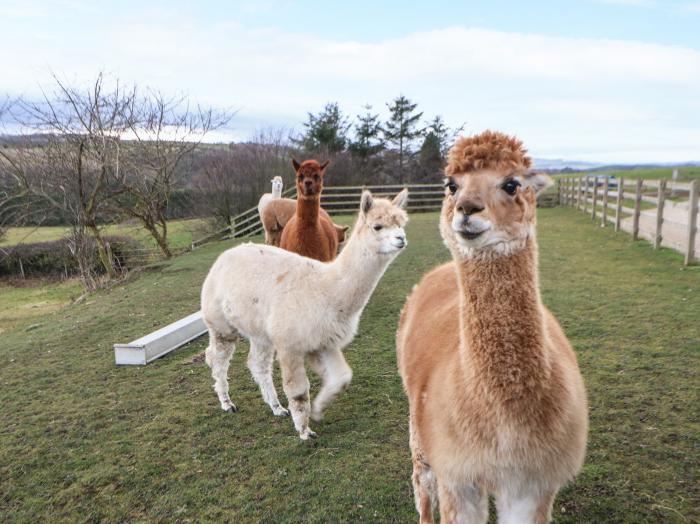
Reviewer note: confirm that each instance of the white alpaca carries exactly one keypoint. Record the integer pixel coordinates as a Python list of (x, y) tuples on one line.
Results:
[(298, 308), (277, 186)]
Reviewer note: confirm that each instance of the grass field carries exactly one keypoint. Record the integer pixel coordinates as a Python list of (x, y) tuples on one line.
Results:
[(180, 233), (22, 302), (83, 440), (657, 173)]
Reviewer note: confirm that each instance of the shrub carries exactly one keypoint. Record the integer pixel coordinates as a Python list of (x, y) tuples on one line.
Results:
[(55, 258)]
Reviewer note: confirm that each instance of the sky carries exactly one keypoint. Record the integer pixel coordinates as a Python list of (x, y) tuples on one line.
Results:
[(592, 80)]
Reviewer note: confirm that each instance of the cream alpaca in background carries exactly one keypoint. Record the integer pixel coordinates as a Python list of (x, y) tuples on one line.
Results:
[(299, 309), (266, 198)]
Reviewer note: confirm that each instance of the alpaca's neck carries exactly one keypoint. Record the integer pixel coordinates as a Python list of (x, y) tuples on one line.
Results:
[(354, 275), (308, 209), (502, 323)]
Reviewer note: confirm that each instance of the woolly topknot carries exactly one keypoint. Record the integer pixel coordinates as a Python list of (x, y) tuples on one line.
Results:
[(488, 150)]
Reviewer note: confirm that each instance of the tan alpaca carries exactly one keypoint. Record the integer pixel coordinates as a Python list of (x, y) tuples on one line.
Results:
[(278, 212), (497, 402)]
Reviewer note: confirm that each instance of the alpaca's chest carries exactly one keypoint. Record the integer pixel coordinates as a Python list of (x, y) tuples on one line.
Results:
[(334, 330), (326, 329)]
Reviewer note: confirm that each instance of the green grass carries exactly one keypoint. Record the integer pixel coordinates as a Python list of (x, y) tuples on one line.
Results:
[(83, 440), (33, 299), (180, 233)]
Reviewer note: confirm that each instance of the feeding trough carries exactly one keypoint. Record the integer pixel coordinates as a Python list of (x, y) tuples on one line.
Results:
[(156, 344)]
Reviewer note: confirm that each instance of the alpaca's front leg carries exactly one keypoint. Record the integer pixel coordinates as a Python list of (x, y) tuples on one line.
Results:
[(463, 504), (424, 481), (296, 387), (336, 374)]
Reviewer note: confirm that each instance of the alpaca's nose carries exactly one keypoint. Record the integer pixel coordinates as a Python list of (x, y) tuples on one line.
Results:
[(469, 207), (308, 183)]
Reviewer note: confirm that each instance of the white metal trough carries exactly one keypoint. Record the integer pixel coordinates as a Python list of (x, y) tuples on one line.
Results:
[(156, 344)]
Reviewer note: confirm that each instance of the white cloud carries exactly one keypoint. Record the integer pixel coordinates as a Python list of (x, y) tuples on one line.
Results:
[(564, 96)]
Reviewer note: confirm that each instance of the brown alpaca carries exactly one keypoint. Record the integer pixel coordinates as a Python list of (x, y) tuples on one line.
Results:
[(277, 214), (497, 401), (308, 233)]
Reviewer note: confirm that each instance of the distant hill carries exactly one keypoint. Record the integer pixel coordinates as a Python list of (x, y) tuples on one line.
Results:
[(557, 164)]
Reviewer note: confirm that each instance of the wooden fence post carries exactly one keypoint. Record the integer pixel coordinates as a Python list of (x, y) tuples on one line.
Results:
[(660, 201), (578, 195), (595, 197), (21, 269), (692, 222), (618, 210), (573, 192), (606, 184), (637, 209), (559, 190), (585, 196)]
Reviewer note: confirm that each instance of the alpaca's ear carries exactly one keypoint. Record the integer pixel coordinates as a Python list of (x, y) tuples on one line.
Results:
[(325, 164), (537, 181), (341, 232), (296, 164), (366, 202), (401, 199)]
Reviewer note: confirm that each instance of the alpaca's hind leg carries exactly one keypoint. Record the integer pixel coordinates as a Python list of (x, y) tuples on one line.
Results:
[(218, 357), (462, 504), (260, 365), (424, 484), (336, 374), (527, 507), (296, 387)]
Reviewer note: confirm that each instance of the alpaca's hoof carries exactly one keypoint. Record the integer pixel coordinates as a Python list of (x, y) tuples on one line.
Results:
[(231, 409), (306, 434), (279, 411)]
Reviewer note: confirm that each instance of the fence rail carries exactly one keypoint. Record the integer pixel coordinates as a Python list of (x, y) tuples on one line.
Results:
[(337, 200), (664, 214)]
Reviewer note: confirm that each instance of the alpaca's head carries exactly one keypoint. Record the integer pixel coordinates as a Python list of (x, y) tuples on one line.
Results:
[(490, 196), (381, 221), (309, 178), (277, 186)]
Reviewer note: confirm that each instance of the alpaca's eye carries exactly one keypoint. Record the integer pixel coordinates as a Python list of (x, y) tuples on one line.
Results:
[(452, 186), (316, 177), (510, 187), (378, 227)]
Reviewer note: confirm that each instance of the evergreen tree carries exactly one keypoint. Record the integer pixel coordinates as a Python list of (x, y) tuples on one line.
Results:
[(326, 132), (430, 158), (368, 141), (444, 134), (401, 130)]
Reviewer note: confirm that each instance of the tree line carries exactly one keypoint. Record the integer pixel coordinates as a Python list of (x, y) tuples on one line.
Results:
[(106, 152)]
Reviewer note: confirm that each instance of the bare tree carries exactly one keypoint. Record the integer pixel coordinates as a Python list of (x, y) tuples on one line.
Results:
[(232, 180), (164, 133), (77, 169)]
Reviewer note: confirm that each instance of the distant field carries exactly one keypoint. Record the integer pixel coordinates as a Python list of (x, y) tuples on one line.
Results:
[(656, 173), (180, 233)]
